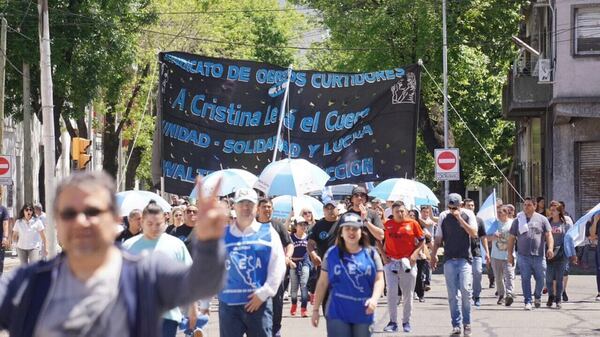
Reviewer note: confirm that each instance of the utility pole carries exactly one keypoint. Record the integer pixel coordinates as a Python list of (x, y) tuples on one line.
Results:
[(48, 117), (2, 76), (445, 66), (27, 148)]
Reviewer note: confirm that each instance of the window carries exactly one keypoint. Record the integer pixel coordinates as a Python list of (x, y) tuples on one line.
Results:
[(587, 31)]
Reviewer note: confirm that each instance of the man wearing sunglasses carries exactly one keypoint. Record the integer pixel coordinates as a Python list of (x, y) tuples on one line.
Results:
[(371, 220), (183, 232), (456, 227), (95, 289)]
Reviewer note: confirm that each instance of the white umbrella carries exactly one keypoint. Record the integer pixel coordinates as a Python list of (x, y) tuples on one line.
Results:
[(282, 206), (127, 201), (412, 193), (291, 177), (232, 180)]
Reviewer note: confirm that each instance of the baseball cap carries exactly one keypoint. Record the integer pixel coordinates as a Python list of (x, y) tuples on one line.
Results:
[(330, 202), (243, 194), (350, 219), (299, 219), (454, 199), (358, 190)]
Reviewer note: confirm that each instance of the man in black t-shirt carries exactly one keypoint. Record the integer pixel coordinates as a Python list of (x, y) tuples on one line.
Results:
[(134, 226), (371, 219), (3, 234), (264, 215), (321, 237)]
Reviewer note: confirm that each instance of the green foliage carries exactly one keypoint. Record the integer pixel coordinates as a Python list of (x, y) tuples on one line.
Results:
[(398, 32)]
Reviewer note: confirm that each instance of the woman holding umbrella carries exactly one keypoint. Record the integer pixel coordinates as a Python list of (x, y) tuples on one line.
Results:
[(353, 296)]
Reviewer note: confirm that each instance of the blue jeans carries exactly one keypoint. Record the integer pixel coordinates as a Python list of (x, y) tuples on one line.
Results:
[(299, 279), (337, 328), (235, 321), (532, 265), (556, 272), (458, 274), (1, 260), (477, 276), (598, 268), (169, 328)]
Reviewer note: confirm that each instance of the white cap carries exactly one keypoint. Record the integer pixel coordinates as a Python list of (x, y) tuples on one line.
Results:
[(243, 194)]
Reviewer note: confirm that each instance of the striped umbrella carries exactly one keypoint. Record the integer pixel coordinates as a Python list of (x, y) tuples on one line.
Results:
[(412, 193), (232, 180), (127, 201), (282, 206), (291, 177)]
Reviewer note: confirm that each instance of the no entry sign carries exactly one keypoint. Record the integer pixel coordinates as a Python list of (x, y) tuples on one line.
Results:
[(6, 164), (447, 164)]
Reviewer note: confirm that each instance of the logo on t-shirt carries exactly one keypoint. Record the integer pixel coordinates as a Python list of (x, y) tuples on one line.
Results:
[(323, 235)]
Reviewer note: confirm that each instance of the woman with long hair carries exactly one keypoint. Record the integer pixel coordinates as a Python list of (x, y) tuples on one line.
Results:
[(353, 296), (176, 219), (29, 236), (556, 266), (424, 256), (300, 268)]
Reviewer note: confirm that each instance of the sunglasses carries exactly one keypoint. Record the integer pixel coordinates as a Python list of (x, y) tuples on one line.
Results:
[(305, 213), (191, 211), (28, 210), (90, 212), (361, 195)]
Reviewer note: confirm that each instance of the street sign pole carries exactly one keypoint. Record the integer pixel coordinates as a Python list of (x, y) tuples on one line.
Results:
[(445, 69)]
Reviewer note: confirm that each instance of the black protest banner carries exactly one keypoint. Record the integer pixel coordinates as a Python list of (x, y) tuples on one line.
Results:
[(219, 113)]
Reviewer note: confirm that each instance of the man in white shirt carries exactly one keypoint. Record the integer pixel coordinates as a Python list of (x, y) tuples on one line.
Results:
[(255, 269)]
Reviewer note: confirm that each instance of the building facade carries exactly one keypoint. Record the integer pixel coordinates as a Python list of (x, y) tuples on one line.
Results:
[(553, 94)]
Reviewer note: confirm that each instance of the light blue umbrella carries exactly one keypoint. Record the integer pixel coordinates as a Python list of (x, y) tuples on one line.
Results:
[(291, 177), (127, 201), (412, 193), (282, 206), (232, 180)]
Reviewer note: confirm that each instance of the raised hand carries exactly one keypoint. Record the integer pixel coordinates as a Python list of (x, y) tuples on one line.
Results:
[(212, 215)]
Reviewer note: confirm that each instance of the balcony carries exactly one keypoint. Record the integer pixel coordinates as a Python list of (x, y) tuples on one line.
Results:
[(527, 93)]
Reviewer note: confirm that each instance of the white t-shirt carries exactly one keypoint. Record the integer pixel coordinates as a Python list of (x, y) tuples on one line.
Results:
[(29, 233)]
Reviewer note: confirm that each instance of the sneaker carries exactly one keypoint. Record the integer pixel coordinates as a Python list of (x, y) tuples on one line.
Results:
[(467, 329), (550, 301), (492, 285), (565, 298), (545, 291), (500, 300), (421, 299), (415, 296), (598, 297), (537, 302), (391, 327), (456, 330), (406, 327), (528, 306), (509, 300), (293, 309), (198, 333), (477, 302), (303, 312), (427, 287), (558, 305)]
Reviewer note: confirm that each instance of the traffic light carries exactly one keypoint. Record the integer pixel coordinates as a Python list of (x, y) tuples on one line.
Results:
[(79, 147)]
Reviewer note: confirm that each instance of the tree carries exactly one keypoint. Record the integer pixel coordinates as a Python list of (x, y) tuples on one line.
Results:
[(396, 32)]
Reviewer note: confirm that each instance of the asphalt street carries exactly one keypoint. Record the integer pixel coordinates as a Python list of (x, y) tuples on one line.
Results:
[(578, 317)]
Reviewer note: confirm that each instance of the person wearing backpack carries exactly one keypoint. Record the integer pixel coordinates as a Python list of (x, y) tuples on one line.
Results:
[(353, 272)]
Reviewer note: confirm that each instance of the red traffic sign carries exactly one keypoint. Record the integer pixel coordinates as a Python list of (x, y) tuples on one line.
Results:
[(446, 160), (4, 166)]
